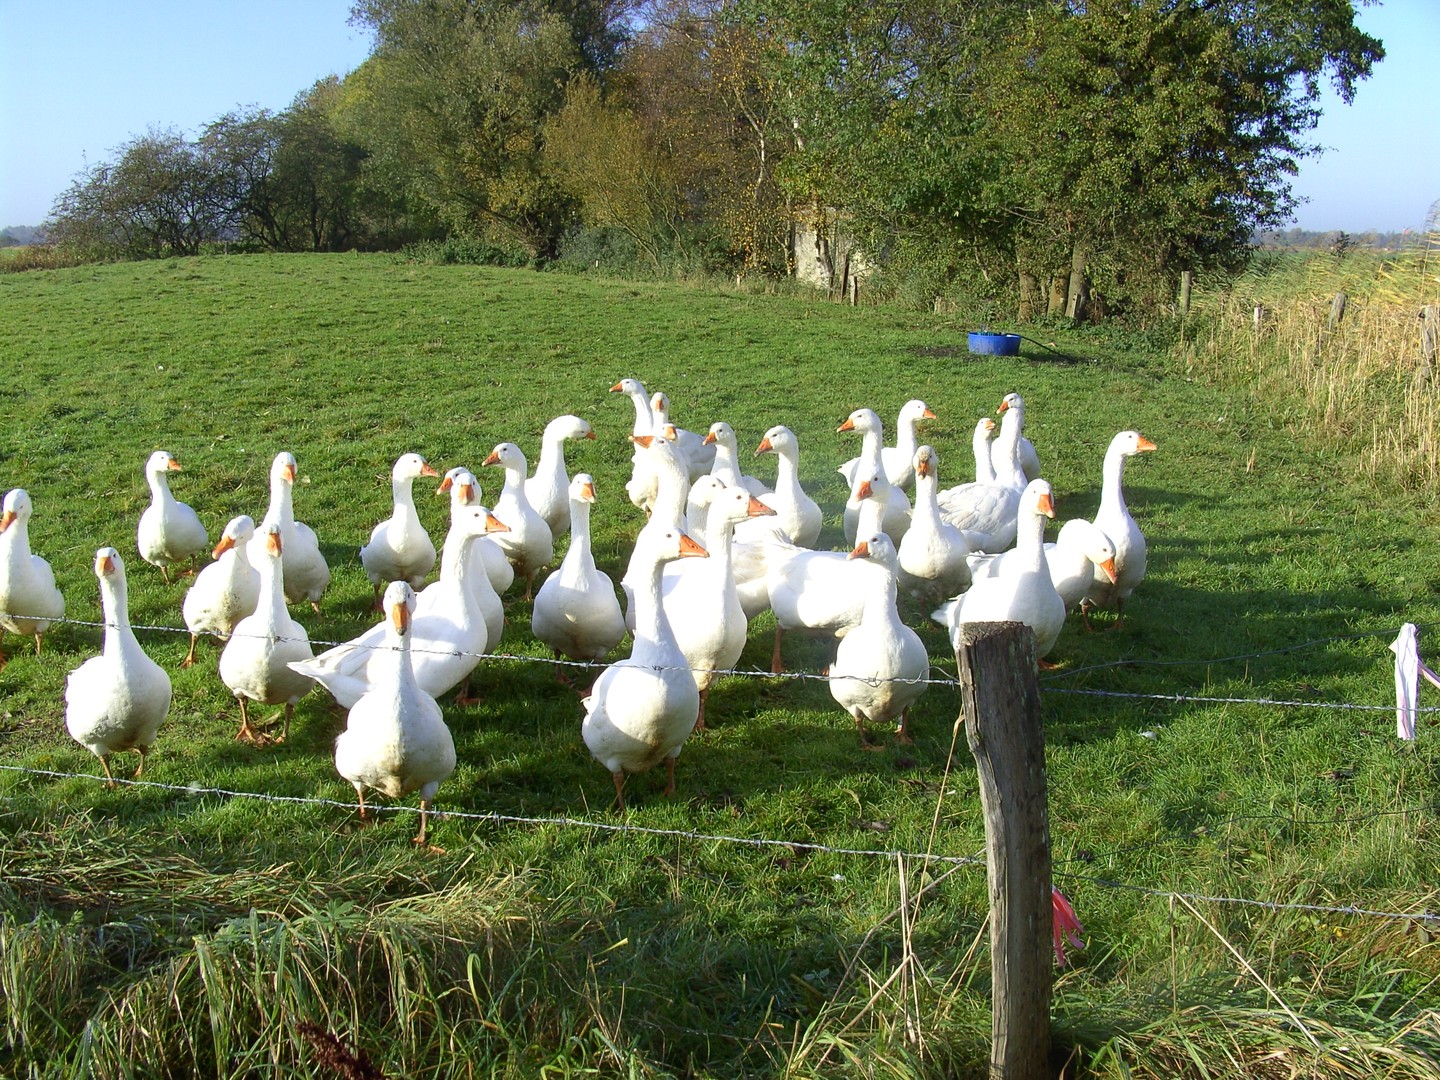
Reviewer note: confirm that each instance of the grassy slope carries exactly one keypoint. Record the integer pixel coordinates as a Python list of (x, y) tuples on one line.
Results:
[(722, 958)]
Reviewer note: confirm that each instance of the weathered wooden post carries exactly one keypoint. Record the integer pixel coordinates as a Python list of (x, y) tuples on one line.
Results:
[(1001, 702), (1187, 285), (1337, 311)]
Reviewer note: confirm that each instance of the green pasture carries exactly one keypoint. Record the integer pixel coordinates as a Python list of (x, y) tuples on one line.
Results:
[(1201, 749)]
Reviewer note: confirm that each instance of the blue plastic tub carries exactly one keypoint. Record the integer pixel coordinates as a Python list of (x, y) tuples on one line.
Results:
[(995, 344)]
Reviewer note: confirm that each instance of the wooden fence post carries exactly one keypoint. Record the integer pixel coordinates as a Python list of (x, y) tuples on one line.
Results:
[(1001, 702), (1187, 285), (1337, 311)]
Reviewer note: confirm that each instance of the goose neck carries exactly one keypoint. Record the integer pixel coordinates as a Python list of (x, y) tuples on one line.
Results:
[(115, 602), (655, 642)]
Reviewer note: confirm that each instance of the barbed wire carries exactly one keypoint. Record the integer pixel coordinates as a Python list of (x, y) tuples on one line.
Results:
[(946, 680), (497, 818)]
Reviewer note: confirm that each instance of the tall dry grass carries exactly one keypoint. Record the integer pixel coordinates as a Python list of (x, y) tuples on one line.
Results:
[(1360, 382)]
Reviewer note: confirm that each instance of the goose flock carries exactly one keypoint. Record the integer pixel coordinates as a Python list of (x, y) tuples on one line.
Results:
[(716, 548)]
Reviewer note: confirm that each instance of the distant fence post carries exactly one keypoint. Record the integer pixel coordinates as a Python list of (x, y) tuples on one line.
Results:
[(1187, 284), (1000, 698), (1337, 311)]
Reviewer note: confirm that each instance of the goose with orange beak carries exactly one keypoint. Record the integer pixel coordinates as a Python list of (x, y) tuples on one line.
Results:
[(29, 601), (306, 573), (400, 549), (1115, 521), (395, 739), (225, 591), (116, 701), (1023, 591), (170, 531)]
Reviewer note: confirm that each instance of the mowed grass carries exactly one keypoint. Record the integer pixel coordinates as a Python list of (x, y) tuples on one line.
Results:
[(173, 929)]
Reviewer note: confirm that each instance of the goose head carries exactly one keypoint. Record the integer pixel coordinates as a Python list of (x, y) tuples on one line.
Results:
[(722, 434), (1091, 542), (629, 386), (1038, 498), (460, 482), (161, 462), (669, 546), (399, 605), (273, 546), (1012, 401), (736, 505), (878, 548), (17, 508), (915, 410), (569, 426), (411, 467), (1130, 442), (927, 461), (776, 440), (476, 520), (283, 469), (864, 421), (238, 530), (508, 456), (108, 565), (582, 488)]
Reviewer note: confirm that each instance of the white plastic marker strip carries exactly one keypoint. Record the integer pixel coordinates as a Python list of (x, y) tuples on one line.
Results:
[(1408, 669)]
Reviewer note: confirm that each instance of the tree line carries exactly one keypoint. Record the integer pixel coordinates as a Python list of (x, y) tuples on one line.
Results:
[(1041, 154)]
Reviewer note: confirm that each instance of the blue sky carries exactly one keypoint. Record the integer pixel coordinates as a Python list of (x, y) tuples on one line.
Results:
[(82, 77)]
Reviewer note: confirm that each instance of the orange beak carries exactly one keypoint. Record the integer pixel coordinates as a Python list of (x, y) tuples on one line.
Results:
[(173, 465), (428, 470), (617, 389), (587, 492), (709, 438), (289, 473), (272, 543), (494, 524), (671, 433), (642, 440), (689, 547), (590, 434), (1003, 406), (864, 491), (5, 519), (445, 485), (927, 415), (989, 424), (1109, 567), (467, 494), (862, 551), (1046, 505), (225, 544), (105, 565), (759, 509), (764, 448), (493, 459), (400, 616), (1144, 444), (848, 425), (922, 467)]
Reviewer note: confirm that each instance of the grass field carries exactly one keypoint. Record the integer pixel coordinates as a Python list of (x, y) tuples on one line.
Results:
[(176, 929)]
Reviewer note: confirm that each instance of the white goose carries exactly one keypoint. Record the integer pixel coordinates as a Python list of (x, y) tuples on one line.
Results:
[(255, 663), (662, 460), (640, 488), (395, 739), (225, 591), (986, 511), (881, 665), (307, 575), (400, 549), (899, 460), (528, 542), (486, 556), (895, 518), (576, 611), (726, 466), (29, 600), (642, 709), (1024, 592), (1077, 554), (170, 532), (1026, 460), (1115, 521), (116, 701), (932, 555), (795, 512), (980, 444), (549, 489), (701, 600), (450, 632)]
